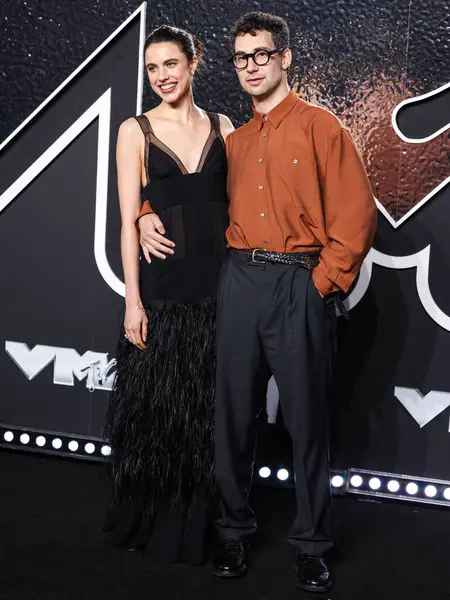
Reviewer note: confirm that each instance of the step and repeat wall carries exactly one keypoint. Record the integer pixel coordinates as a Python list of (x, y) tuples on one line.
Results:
[(73, 72)]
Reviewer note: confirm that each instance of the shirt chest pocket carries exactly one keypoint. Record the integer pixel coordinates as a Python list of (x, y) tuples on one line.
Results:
[(299, 174)]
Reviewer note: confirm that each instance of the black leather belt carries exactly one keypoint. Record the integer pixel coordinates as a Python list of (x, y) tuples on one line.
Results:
[(309, 260)]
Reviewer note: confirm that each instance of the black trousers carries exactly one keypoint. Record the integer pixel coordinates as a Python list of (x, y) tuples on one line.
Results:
[(272, 320)]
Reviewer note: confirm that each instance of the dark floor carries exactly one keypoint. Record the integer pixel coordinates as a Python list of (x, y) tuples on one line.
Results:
[(51, 546)]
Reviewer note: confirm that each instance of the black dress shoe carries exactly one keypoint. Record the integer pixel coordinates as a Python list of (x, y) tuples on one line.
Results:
[(231, 560), (312, 573)]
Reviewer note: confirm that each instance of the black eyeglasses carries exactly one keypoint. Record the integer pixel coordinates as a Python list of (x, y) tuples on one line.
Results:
[(260, 58)]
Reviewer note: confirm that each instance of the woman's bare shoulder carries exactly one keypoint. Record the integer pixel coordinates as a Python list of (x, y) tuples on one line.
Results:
[(129, 129)]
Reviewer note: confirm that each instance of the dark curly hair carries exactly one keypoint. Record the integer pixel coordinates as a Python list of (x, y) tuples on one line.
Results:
[(189, 45), (261, 21)]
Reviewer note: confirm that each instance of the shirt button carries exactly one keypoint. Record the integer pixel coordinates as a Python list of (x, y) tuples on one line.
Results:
[(261, 160), (263, 214), (261, 187), (266, 242), (264, 134), (266, 118), (295, 161)]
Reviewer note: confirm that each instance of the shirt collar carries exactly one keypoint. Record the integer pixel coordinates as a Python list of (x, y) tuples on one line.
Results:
[(277, 114)]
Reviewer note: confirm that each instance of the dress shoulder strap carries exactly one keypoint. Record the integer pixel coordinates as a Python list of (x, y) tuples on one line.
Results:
[(215, 122), (145, 125), (147, 130)]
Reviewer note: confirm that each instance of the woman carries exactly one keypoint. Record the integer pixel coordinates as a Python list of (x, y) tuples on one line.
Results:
[(160, 420)]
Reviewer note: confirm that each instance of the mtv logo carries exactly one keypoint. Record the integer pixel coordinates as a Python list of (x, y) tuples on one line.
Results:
[(423, 409), (67, 364)]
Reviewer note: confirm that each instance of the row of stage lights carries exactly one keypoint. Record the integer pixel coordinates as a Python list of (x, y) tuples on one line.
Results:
[(411, 488), (387, 485), (393, 486), (366, 483), (352, 481), (54, 444), (282, 474)]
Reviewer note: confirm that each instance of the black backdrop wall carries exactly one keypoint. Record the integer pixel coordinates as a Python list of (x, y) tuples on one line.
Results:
[(383, 67)]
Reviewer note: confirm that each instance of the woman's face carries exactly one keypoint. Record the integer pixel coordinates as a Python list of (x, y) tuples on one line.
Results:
[(168, 69)]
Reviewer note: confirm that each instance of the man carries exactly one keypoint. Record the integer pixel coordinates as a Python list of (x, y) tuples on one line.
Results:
[(302, 219)]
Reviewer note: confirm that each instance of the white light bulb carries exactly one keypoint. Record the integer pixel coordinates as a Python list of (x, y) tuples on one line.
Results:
[(393, 486), (89, 448), (106, 450), (24, 438), (412, 488), (56, 443), (447, 493), (73, 446), (8, 436), (264, 472), (337, 481), (375, 483), (356, 481), (430, 491), (283, 474), (41, 441)]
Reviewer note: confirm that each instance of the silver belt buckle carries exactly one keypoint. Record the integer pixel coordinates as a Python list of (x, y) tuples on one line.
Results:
[(261, 262)]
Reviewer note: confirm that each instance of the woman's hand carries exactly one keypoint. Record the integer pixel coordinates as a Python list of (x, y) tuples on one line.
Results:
[(136, 325)]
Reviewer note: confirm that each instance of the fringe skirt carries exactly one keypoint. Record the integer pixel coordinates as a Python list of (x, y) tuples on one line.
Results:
[(160, 426)]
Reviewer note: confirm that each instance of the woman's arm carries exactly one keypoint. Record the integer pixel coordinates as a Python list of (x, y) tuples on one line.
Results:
[(129, 185)]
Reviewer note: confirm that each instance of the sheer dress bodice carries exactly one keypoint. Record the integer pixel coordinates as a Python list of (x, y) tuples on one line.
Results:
[(193, 208)]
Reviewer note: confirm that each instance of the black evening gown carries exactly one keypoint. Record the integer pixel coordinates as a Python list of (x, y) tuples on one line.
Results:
[(160, 418)]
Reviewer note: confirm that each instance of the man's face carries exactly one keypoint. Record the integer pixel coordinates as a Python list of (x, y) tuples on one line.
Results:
[(260, 80)]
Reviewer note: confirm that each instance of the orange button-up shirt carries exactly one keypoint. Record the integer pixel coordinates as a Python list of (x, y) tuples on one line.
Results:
[(297, 183)]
